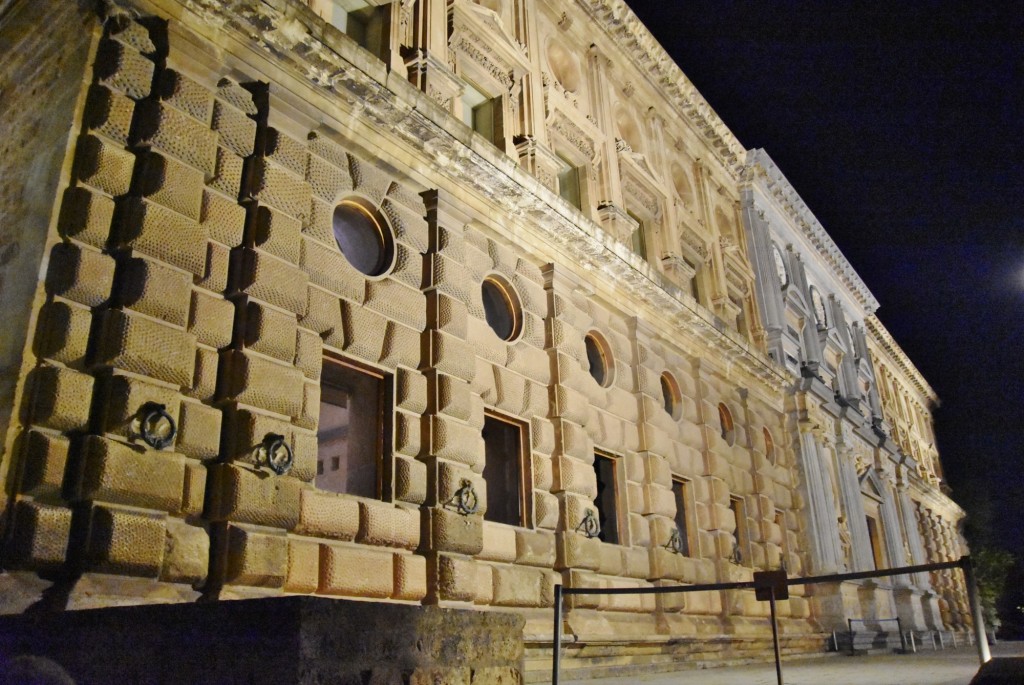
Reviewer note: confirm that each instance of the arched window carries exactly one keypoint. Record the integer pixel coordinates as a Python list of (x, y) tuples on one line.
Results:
[(726, 424)]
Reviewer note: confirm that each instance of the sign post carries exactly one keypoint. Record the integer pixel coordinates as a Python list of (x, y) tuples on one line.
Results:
[(770, 586)]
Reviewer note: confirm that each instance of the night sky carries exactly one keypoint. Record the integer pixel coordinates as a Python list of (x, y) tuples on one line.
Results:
[(901, 126)]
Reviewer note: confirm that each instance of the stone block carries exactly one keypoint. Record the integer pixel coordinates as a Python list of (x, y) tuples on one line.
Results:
[(125, 542), (186, 553), (228, 169), (398, 302), (573, 475), (175, 133), (499, 542), (61, 398), (310, 416), (410, 480), (86, 215), (453, 397), (170, 183), (127, 399), (204, 382), (256, 559), (409, 225), (323, 313), (453, 356), (609, 560), (211, 319), (78, 274), (223, 218), (535, 548), (280, 188), (402, 346), (115, 473), (308, 353), (151, 288), (355, 571), (303, 566), (122, 68), (543, 473), (270, 332), (410, 582), (195, 489), (532, 363), (408, 433), (109, 113), (270, 279), (235, 130), (215, 273), (457, 441), (146, 347), (517, 587), (408, 267), (328, 269), (384, 524), (328, 515), (63, 333), (575, 550), (159, 232), (287, 152), (39, 536), (452, 532), (104, 165), (277, 233), (327, 180), (263, 383), (456, 578), (450, 315), (44, 459), (545, 510), (199, 431), (368, 178), (242, 495), (182, 93)]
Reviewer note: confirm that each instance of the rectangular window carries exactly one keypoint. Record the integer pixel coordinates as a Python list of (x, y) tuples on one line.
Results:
[(364, 23), (354, 421), (607, 497), (780, 521), (739, 510), (504, 466), (479, 112), (569, 186), (874, 535), (682, 491)]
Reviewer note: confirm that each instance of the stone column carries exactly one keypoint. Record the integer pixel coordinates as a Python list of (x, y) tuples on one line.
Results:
[(823, 532), (917, 553), (853, 505), (766, 284)]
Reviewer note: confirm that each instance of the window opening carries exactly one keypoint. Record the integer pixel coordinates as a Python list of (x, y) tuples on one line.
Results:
[(671, 396), (739, 534), (364, 237), (504, 461), (607, 497), (681, 492), (569, 186), (351, 430), (874, 536), (728, 430), (599, 359), (502, 308)]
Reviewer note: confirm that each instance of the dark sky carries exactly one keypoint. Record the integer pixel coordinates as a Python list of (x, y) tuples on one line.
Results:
[(901, 126)]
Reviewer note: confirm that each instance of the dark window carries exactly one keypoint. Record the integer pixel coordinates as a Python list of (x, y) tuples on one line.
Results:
[(503, 471), (726, 424), (671, 396), (501, 308), (351, 432), (739, 533), (681, 490), (877, 553), (364, 23), (569, 186), (599, 360), (364, 237), (607, 497)]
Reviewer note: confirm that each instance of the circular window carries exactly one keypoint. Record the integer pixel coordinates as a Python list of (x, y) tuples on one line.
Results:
[(769, 447), (725, 421), (501, 308), (670, 395), (599, 358), (364, 237)]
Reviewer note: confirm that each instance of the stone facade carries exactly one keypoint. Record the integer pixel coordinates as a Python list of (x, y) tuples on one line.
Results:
[(439, 303)]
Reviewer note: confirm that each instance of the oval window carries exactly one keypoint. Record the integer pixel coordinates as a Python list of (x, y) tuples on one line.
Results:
[(599, 359), (670, 395), (726, 424), (501, 308), (364, 237)]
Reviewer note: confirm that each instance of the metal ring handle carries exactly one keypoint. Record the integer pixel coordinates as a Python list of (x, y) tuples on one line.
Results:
[(675, 542), (276, 454), (465, 499), (150, 419), (590, 525)]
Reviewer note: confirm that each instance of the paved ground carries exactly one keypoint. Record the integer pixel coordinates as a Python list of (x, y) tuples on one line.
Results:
[(948, 667)]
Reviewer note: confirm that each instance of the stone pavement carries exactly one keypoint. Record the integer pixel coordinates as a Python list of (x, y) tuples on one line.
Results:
[(948, 667)]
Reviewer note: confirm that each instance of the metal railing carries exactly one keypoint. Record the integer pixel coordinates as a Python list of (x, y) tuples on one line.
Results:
[(769, 593)]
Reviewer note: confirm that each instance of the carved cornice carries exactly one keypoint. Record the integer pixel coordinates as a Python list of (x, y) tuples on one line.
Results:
[(647, 55), (884, 339), (760, 164)]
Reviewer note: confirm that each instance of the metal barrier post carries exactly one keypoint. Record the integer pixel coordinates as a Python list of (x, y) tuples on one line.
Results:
[(853, 649), (903, 637), (556, 641), (913, 643), (775, 636), (984, 655), (942, 641), (955, 646)]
